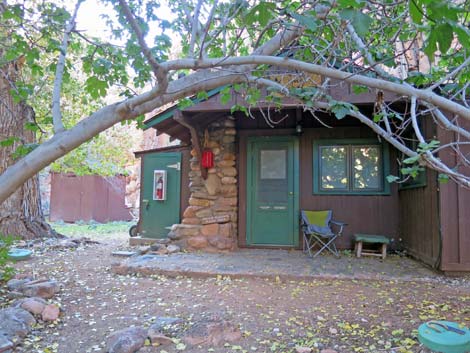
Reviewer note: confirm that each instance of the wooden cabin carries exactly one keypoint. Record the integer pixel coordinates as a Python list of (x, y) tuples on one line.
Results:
[(268, 167)]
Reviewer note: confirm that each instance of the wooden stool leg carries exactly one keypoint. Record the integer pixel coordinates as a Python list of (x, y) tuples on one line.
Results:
[(384, 251), (359, 249)]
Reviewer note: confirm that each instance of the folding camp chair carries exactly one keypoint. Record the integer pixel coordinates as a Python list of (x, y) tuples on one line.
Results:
[(316, 228)]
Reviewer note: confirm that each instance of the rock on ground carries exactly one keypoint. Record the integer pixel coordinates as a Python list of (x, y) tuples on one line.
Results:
[(157, 337), (5, 343), (50, 313), (212, 331), (33, 305), (15, 322), (44, 289), (66, 244), (328, 351), (15, 284), (303, 350), (164, 322), (129, 340), (173, 249)]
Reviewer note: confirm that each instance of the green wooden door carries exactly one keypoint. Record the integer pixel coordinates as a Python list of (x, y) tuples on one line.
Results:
[(160, 200), (272, 191)]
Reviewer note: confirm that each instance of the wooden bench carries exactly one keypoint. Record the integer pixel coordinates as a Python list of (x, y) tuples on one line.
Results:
[(360, 239)]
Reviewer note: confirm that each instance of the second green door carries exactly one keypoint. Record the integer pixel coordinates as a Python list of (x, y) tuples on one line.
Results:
[(160, 200)]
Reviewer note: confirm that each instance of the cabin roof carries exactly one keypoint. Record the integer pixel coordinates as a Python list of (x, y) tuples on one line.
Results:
[(206, 110)]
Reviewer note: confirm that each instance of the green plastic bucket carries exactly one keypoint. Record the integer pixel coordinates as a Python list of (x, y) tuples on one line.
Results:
[(439, 339)]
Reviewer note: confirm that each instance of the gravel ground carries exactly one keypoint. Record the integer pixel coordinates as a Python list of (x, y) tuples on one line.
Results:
[(274, 315)]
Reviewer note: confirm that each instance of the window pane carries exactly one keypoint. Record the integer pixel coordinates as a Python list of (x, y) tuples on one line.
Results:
[(366, 166), (273, 164), (333, 168), (273, 182)]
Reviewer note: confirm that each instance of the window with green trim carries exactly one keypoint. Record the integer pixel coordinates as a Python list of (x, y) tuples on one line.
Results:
[(350, 167)]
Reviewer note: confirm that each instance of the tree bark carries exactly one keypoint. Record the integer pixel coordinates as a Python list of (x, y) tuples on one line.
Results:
[(21, 214)]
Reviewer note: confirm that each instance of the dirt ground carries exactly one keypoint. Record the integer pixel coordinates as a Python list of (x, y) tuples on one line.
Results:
[(274, 316)]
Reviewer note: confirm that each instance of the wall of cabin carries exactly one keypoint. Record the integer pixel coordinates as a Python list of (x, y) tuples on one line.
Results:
[(371, 214), (419, 214), (209, 221), (454, 203), (419, 220)]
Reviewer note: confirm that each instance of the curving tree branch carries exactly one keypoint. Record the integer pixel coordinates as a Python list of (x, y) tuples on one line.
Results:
[(59, 74)]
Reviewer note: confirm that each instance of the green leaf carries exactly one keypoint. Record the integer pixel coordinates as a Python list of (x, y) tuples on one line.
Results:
[(308, 22), (463, 34), (96, 87), (392, 178), (13, 12), (202, 95), (358, 89), (23, 150), (445, 35), (225, 95), (359, 20), (253, 96), (239, 108), (398, 332), (341, 109), (261, 13), (412, 171), (415, 12), (412, 160), (443, 178), (140, 121), (351, 3), (431, 45), (9, 141), (427, 146), (378, 117), (31, 126), (185, 103)]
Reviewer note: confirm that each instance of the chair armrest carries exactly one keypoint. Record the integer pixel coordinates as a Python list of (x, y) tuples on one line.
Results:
[(338, 223)]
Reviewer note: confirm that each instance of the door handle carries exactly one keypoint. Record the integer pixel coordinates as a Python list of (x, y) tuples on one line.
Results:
[(176, 166), (146, 204), (265, 207)]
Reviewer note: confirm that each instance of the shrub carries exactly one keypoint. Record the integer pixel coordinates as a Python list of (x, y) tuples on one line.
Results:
[(6, 271)]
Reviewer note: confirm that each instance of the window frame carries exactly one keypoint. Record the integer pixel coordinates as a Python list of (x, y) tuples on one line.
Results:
[(349, 144)]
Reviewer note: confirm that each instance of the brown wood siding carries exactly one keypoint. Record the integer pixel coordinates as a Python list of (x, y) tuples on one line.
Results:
[(419, 220), (364, 214), (419, 215), (454, 201), (370, 214)]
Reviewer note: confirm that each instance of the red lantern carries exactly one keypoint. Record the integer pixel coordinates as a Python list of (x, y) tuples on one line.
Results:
[(207, 159)]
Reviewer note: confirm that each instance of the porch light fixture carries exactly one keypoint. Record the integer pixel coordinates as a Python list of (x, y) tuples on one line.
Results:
[(298, 129)]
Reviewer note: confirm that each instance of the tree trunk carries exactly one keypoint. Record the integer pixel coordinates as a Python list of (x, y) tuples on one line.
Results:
[(21, 214)]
